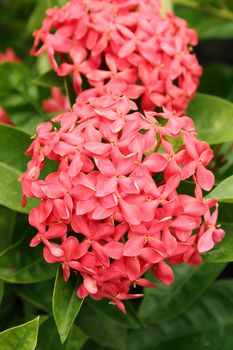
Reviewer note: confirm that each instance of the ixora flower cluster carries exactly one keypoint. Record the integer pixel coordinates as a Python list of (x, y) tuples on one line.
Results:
[(114, 206), (127, 43)]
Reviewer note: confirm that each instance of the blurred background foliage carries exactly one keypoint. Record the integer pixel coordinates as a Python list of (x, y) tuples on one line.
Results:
[(196, 312)]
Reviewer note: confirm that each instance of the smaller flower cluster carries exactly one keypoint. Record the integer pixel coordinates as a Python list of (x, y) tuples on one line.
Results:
[(113, 208), (9, 56), (126, 44), (58, 102)]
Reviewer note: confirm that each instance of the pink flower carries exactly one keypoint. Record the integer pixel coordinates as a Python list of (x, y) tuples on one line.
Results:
[(199, 155), (211, 235), (132, 47), (113, 208), (9, 56), (57, 102), (4, 117)]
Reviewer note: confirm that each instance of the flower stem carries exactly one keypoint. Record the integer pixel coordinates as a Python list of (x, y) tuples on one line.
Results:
[(167, 5), (67, 92)]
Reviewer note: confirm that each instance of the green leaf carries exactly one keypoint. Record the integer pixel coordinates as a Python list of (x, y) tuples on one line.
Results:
[(217, 29), (38, 294), (1, 290), (37, 15), (49, 79), (9, 312), (19, 97), (22, 264), (13, 144), (229, 4), (77, 338), (223, 251), (7, 224), (207, 324), (23, 337), (48, 337), (66, 304), (91, 345), (213, 118), (164, 303), (208, 24), (16, 81), (10, 190), (102, 307), (217, 80), (59, 3), (224, 191), (101, 327)]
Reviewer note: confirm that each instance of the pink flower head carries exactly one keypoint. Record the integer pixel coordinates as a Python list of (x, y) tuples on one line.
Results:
[(4, 117), (58, 102), (9, 56), (125, 44), (113, 208)]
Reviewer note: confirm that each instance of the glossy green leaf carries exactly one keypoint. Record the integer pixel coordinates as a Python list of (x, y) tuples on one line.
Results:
[(13, 144), (8, 315), (209, 22), (217, 80), (37, 294), (66, 304), (216, 28), (229, 4), (224, 191), (22, 264), (7, 224), (90, 345), (223, 251), (19, 97), (12, 77), (16, 81), (213, 118), (49, 79), (10, 190), (1, 290), (37, 15), (77, 338), (207, 324), (166, 302), (222, 163), (23, 337), (59, 3), (130, 320), (48, 337), (102, 328)]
